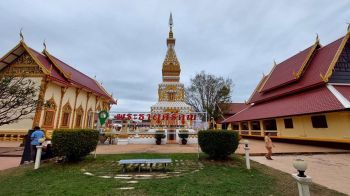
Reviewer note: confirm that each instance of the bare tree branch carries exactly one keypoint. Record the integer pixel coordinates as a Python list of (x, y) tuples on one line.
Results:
[(207, 91), (18, 98)]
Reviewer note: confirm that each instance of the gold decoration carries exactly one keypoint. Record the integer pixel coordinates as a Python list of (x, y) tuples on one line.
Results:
[(23, 66)]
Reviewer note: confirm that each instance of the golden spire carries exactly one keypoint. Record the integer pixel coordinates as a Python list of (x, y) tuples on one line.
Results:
[(171, 66)]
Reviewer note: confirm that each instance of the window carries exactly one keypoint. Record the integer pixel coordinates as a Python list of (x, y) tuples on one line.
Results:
[(65, 120), (270, 124), (49, 118), (244, 126), (288, 123), (319, 121), (78, 121), (66, 111), (49, 113), (255, 125), (89, 118), (235, 126), (79, 117)]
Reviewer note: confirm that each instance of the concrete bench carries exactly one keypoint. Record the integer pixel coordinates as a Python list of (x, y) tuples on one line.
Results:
[(126, 162)]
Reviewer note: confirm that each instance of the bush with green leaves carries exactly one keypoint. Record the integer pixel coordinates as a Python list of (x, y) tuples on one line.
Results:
[(218, 144), (74, 144), (183, 134)]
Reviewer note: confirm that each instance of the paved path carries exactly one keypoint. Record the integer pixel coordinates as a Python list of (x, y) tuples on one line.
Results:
[(9, 162), (257, 147), (329, 170)]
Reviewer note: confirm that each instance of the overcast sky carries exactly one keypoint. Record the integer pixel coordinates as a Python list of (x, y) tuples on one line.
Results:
[(123, 43)]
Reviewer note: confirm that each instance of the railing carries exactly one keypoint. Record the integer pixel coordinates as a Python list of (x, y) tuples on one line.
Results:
[(12, 136)]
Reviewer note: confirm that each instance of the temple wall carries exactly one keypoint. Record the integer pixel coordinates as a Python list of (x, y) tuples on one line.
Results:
[(338, 128)]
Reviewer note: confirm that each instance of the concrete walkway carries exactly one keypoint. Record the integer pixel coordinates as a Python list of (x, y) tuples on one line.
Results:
[(257, 147), (329, 170)]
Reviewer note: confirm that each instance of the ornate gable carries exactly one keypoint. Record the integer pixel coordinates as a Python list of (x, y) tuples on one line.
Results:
[(24, 65)]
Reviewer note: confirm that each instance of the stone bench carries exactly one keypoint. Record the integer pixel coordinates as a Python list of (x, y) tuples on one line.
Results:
[(139, 162)]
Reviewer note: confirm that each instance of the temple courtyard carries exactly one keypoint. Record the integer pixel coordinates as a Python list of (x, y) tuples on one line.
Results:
[(328, 167)]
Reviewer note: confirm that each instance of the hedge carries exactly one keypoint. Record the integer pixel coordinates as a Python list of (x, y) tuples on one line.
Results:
[(74, 144), (218, 144)]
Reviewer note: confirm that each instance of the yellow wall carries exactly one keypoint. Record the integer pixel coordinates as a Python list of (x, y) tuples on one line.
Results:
[(338, 127)]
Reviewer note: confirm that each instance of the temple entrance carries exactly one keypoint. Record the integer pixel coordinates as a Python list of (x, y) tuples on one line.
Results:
[(171, 136)]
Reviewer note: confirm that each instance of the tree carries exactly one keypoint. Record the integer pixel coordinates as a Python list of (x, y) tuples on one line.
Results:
[(17, 98), (207, 91)]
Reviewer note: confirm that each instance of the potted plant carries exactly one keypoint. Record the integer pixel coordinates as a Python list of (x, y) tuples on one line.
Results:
[(183, 134), (159, 135)]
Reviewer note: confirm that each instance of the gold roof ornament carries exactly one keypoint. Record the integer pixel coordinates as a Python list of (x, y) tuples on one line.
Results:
[(21, 34), (44, 44)]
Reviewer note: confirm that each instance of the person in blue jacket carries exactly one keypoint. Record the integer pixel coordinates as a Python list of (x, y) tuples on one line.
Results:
[(35, 141)]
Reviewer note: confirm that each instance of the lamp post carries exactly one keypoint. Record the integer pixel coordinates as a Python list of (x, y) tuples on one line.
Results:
[(246, 149), (303, 181)]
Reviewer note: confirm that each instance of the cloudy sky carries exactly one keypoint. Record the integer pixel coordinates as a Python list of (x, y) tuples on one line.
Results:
[(123, 42)]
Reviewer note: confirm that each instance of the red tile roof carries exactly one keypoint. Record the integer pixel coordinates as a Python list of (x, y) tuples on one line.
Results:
[(319, 64), (311, 101), (344, 90), (232, 108), (284, 72), (56, 67), (49, 66), (81, 79)]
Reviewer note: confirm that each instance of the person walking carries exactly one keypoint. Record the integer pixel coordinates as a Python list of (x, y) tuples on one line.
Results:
[(268, 145), (36, 138)]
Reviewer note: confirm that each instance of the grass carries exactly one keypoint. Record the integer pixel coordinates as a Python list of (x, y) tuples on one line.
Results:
[(216, 178)]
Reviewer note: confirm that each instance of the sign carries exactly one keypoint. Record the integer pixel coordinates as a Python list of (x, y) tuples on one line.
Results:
[(102, 116)]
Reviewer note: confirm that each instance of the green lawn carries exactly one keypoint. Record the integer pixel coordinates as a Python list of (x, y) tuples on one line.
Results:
[(210, 178)]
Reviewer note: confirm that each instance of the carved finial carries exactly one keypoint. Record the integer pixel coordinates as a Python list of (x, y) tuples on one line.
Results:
[(274, 62), (44, 44), (21, 34), (171, 21), (317, 38), (171, 25), (348, 26), (263, 74)]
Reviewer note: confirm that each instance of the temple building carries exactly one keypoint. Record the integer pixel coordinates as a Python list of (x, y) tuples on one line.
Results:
[(71, 98), (305, 97), (171, 93)]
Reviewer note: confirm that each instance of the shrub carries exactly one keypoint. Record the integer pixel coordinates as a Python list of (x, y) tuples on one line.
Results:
[(74, 144), (218, 144), (183, 134), (159, 135)]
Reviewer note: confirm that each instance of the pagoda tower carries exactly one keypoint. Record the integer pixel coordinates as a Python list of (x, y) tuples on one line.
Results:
[(171, 93)]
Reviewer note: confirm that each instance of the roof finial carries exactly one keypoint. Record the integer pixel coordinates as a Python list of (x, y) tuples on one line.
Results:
[(21, 34), (44, 44), (317, 38), (348, 26), (274, 62), (171, 21)]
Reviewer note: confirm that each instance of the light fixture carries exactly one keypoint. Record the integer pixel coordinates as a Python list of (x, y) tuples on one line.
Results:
[(301, 166)]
